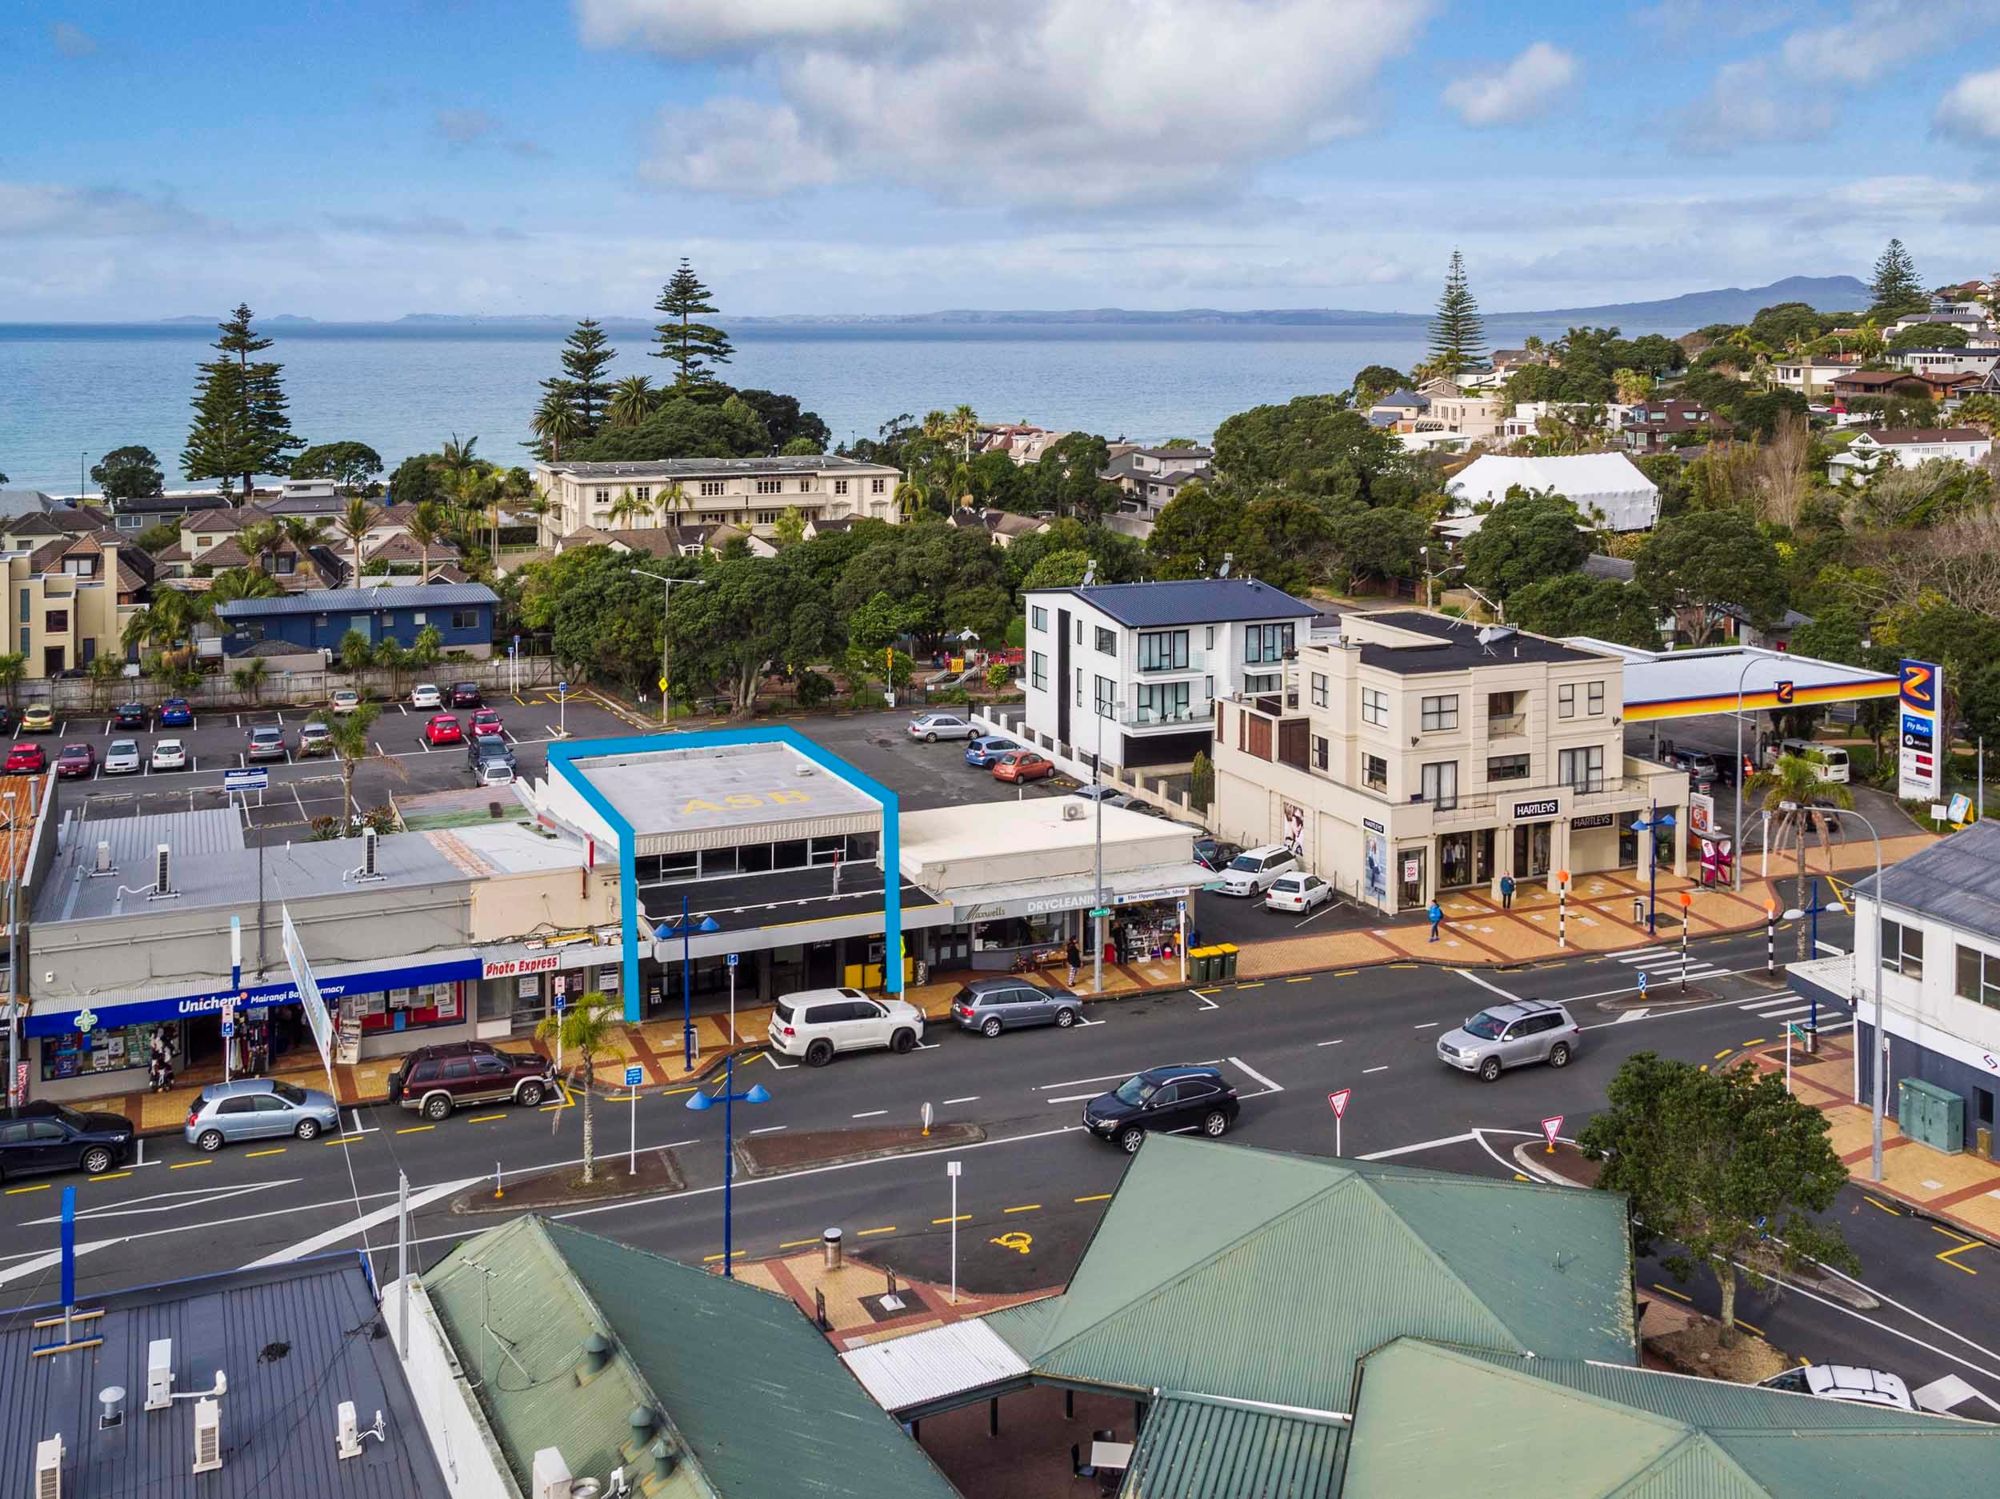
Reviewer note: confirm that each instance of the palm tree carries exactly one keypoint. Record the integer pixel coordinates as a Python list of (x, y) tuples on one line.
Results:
[(426, 528), (910, 500), (670, 500), (167, 621), (582, 1031), (259, 539), (350, 745), (633, 399), (304, 535), (554, 423), (1790, 788), (629, 506), (248, 678), (234, 583), (104, 670), (14, 666), (355, 522), (457, 457)]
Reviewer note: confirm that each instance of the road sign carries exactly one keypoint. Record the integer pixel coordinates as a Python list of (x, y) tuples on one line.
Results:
[(1338, 1102), (562, 689), (663, 684), (1642, 983), (634, 1076), (1098, 911), (732, 960), (246, 780), (228, 1028), (1551, 1127)]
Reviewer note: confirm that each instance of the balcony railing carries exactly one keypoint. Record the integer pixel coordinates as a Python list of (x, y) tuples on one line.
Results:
[(1194, 715), (1197, 661), (1506, 725)]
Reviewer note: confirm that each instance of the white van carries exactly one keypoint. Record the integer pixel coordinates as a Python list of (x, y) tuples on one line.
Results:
[(1829, 761), (1255, 870)]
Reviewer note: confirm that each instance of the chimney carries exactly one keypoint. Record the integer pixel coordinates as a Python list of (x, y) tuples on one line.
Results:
[(207, 1434)]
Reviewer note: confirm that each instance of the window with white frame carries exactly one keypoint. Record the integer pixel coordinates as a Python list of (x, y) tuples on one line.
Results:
[(878, 486), (1319, 689), (710, 488), (1374, 706), (603, 497), (1596, 698), (770, 486), (643, 494), (1903, 949), (766, 518), (1581, 769), (1038, 670), (1440, 713), (1566, 700), (840, 486), (1978, 977)]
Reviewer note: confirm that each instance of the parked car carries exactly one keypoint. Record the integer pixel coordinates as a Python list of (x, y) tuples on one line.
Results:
[(1297, 892), (931, 727), (1255, 870), (27, 760), (76, 762), (315, 739), (122, 759), (39, 1137), (1096, 794), (169, 754), (10, 719), (493, 773), (481, 748), (264, 744), (1170, 1099), (986, 748), (38, 718), (442, 728), (175, 713), (257, 1108), (466, 695), (1845, 1382), (434, 1080), (486, 724), (1023, 765), (817, 1023), (1214, 855), (344, 701), (425, 695), (993, 1005), (130, 716), (1511, 1035)]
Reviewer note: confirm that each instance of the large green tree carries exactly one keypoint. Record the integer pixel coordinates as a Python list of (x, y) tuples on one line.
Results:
[(751, 616), (1895, 287), (419, 479), (1288, 542), (1315, 446), (601, 619), (785, 421), (241, 427), (1577, 604), (354, 466), (679, 427), (1528, 536), (1458, 333), (1702, 565), (1727, 1168), (694, 348), (1193, 531), (586, 354), (128, 473), (1382, 542)]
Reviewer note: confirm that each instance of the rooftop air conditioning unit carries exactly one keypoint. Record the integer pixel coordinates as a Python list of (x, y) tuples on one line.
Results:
[(1072, 812), (207, 1435), (163, 870), (368, 856), (102, 865), (550, 1476), (48, 1468), (159, 1374)]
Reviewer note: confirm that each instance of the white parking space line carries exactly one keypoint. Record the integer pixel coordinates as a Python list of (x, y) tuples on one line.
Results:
[(1329, 1043), (1077, 1097), (1206, 1002), (969, 1098), (1366, 1070), (770, 1129), (1485, 984), (869, 1114), (1106, 1077)]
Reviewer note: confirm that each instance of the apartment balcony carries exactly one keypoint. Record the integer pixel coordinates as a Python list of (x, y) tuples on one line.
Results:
[(1507, 726), (1196, 715), (1195, 665)]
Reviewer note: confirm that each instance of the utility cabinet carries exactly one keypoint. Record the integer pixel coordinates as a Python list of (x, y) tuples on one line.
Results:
[(1931, 1115)]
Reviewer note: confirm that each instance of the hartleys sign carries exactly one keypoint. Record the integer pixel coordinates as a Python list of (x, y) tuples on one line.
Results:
[(506, 968)]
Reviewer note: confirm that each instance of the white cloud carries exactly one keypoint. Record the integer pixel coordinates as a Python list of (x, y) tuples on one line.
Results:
[(1971, 110), (694, 28), (1748, 106), (1877, 37), (1524, 88), (40, 209), (1048, 102), (71, 41)]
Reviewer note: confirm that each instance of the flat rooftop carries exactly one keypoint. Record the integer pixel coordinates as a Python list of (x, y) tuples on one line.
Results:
[(1422, 643), (722, 796), (950, 838)]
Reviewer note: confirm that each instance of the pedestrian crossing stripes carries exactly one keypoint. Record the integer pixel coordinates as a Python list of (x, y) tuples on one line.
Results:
[(1662, 965)]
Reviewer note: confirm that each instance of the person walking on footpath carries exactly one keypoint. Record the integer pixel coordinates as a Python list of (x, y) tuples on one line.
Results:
[(1436, 914), (1506, 892), (1074, 957)]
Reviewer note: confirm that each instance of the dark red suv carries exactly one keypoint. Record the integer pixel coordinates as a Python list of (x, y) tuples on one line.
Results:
[(434, 1080)]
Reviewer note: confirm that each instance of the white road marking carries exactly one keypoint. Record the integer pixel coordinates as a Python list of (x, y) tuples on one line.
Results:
[(1206, 1002), (969, 1098), (1242, 1066), (1071, 1082), (1329, 1043), (1366, 1070), (1074, 1097), (771, 1129), (1486, 984), (1383, 1155), (1639, 1014), (869, 1114), (1428, 1025), (48, 1261), (358, 1225), (169, 1202)]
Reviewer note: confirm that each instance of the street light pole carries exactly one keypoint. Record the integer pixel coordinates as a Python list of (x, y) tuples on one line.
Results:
[(951, 1169), (700, 1102), (666, 637)]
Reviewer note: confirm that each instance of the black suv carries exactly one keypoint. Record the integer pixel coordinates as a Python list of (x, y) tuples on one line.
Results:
[(465, 695), (480, 747), (131, 716), (434, 1080), (1163, 1098), (46, 1137)]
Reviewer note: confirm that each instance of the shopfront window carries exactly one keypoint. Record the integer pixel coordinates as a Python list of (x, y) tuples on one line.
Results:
[(106, 1049), (407, 1009)]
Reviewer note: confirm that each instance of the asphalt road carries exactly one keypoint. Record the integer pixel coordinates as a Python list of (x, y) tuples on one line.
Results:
[(1033, 1187)]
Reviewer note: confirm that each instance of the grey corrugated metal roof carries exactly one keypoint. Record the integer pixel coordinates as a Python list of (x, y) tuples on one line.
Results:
[(939, 1362), (1191, 601), (349, 600), (1956, 880), (295, 1340), (1193, 1448)]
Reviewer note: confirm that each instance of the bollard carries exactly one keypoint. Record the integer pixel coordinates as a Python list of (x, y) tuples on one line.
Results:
[(497, 1193), (819, 1310), (830, 1243), (1562, 908), (1770, 939)]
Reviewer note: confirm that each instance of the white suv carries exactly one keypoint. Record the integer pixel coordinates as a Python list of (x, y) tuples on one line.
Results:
[(1256, 870), (816, 1023)]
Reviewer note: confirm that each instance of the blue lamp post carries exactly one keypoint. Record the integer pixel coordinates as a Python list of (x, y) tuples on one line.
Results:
[(1653, 824), (700, 1102)]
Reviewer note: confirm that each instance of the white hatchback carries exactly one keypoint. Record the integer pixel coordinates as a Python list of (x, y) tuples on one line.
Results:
[(818, 1023), (1297, 893), (1255, 870), (425, 695), (122, 759), (170, 754)]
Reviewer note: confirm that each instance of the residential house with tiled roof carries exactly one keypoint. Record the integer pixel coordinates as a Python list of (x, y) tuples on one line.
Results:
[(70, 599), (1907, 447)]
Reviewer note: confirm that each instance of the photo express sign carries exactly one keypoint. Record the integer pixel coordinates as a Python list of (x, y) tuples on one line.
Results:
[(187, 1007)]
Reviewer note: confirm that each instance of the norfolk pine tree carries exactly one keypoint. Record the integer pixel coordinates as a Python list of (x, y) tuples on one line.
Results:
[(695, 348), (1895, 284), (240, 427), (585, 355), (1458, 334)]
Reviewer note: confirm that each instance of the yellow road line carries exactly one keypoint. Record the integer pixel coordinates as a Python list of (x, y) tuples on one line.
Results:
[(1094, 1197), (252, 1155), (1750, 1327), (1519, 1178), (484, 1118), (1347, 973), (1257, 985), (1402, 965), (961, 1218), (709, 1259), (1026, 1207), (1670, 1291), (415, 1129), (110, 1176), (183, 1165), (867, 1231), (343, 1140), (677, 1092), (37, 1187), (1724, 1052), (798, 1243), (1758, 1042), (1892, 1212), (1304, 978)]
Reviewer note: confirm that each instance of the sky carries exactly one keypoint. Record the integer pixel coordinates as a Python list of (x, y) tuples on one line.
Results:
[(365, 159)]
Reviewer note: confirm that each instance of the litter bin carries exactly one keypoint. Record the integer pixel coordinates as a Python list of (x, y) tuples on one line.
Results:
[(1201, 964), (1227, 953)]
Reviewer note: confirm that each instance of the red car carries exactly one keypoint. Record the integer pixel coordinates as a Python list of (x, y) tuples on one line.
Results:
[(486, 723), (27, 760), (1023, 765), (76, 762), (443, 729)]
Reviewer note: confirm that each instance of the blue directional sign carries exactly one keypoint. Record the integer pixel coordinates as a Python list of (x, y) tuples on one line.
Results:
[(562, 689), (254, 779), (732, 960), (634, 1076)]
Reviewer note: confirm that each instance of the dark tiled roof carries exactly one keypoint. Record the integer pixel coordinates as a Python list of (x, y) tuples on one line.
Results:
[(1457, 646), (1895, 436), (1195, 601), (1956, 881), (349, 600)]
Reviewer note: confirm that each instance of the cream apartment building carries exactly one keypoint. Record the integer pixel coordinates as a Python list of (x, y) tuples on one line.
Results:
[(1414, 753), (752, 493)]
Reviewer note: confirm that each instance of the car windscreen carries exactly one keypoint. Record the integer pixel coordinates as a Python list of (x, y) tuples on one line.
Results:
[(1249, 863), (289, 1093), (1135, 1090), (1486, 1026)]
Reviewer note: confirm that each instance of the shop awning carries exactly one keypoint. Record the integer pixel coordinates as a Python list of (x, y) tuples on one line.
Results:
[(1125, 887)]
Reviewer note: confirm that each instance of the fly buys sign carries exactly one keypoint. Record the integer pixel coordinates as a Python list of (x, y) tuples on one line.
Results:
[(1921, 744)]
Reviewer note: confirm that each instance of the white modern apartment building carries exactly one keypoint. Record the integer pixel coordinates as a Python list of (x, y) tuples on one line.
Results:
[(1907, 447), (1415, 753), (750, 493), (1133, 670)]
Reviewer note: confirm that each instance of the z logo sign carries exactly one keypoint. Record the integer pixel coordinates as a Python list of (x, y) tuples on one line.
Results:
[(1785, 694), (1919, 684)]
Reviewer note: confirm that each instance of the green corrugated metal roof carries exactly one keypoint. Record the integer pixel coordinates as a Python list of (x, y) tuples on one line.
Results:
[(1022, 1326), (1206, 1449), (1258, 1276), (749, 1387), (1561, 1429)]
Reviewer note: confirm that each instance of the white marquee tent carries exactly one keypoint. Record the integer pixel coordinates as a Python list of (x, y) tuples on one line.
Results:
[(1606, 485)]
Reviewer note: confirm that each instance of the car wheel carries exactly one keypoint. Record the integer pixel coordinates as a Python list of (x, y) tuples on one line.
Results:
[(991, 1027), (209, 1141), (529, 1095), (906, 1040), (1065, 1019), (96, 1161), (308, 1129), (1489, 1069), (930, 738), (1215, 1125), (437, 1106), (1131, 1140), (819, 1053), (1559, 1054)]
